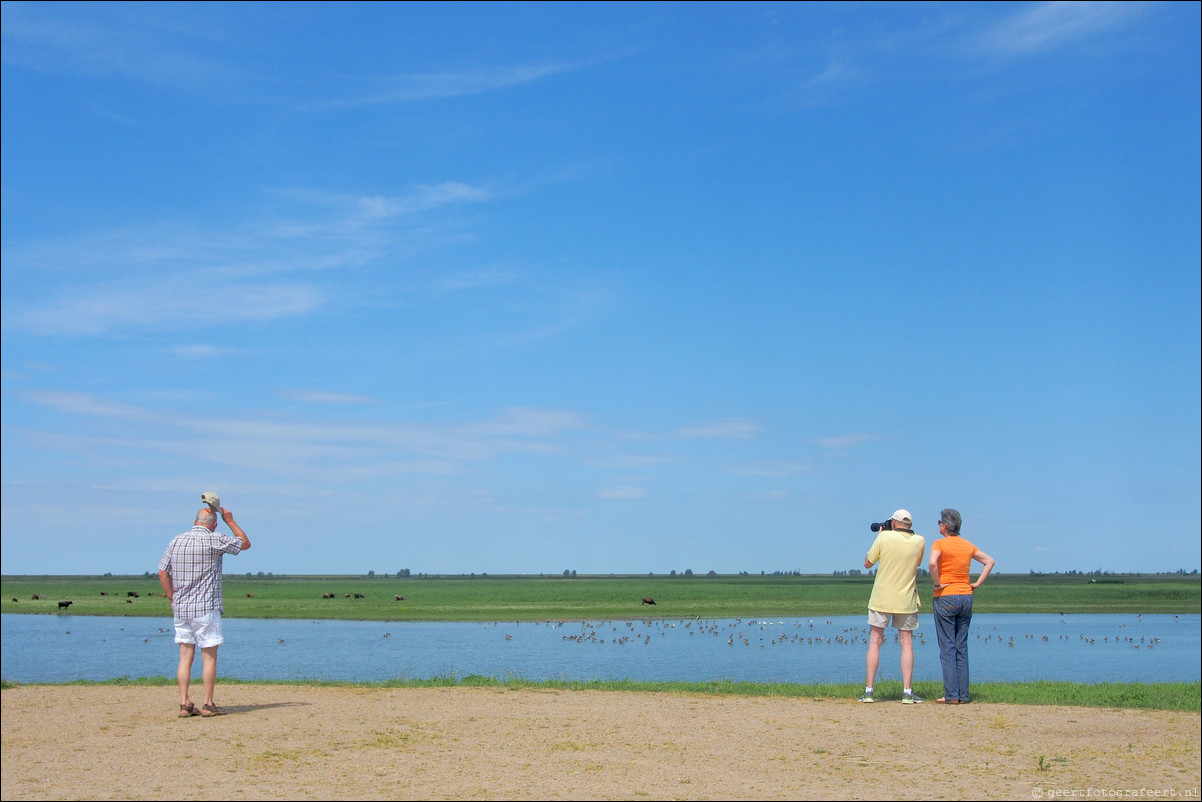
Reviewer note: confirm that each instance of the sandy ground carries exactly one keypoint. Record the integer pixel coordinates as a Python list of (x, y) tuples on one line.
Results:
[(300, 742)]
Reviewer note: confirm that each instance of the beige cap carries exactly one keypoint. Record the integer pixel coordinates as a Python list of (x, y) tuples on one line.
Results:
[(213, 500), (900, 515)]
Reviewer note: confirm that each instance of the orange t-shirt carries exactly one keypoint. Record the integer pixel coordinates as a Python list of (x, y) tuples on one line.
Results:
[(955, 558)]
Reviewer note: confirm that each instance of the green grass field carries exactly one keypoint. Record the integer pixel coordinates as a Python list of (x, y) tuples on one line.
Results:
[(551, 598)]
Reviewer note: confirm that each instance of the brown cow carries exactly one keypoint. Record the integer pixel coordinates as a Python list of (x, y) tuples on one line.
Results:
[(648, 600), (250, 595), (399, 598)]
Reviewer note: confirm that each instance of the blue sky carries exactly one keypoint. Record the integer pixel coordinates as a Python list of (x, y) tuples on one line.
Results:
[(607, 288)]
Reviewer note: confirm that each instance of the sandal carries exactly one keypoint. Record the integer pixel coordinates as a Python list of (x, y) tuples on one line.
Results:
[(188, 710), (212, 710)]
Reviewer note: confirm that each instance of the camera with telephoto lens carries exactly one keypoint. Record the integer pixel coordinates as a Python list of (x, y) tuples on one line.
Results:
[(886, 525)]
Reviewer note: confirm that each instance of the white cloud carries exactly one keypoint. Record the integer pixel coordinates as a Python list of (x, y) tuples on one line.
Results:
[(79, 403), (324, 397), (770, 468), (196, 351), (173, 302), (180, 277), (846, 441), (1046, 26), (433, 85), (107, 39), (623, 492), (719, 430)]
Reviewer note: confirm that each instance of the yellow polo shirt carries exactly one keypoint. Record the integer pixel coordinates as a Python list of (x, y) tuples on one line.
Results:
[(897, 556)]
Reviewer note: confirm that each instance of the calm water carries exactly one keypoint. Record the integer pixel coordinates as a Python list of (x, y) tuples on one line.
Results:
[(1081, 648)]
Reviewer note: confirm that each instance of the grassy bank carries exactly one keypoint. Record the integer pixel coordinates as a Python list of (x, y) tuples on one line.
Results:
[(551, 598), (1183, 696)]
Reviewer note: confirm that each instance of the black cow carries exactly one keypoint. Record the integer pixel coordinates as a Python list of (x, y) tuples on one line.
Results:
[(64, 605), (360, 596), (399, 598), (133, 594)]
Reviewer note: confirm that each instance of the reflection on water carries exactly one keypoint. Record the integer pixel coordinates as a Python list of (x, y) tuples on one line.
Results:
[(1079, 648)]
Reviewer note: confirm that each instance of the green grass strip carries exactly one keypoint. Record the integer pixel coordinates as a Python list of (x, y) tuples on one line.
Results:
[(1180, 696)]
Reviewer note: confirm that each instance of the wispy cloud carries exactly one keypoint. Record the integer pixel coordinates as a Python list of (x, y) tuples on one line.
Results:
[(1047, 26), (719, 430), (770, 468), (312, 445), (624, 492), (170, 303), (197, 351), (174, 277), (354, 211), (433, 85), (844, 442), (105, 39), (322, 397), (88, 404)]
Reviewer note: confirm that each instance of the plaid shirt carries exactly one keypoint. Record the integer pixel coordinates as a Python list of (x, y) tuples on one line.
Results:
[(193, 559)]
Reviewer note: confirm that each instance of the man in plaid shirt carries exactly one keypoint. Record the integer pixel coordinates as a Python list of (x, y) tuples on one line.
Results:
[(190, 573)]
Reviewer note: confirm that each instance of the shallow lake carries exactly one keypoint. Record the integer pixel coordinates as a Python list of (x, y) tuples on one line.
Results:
[(1078, 648)]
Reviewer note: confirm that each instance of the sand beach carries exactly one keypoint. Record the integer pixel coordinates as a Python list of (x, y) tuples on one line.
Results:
[(305, 742)]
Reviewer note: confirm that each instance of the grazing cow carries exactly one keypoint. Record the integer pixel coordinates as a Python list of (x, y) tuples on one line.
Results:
[(250, 595), (36, 597), (347, 596), (133, 594), (648, 600), (104, 593), (360, 596), (399, 598), (14, 601), (327, 595), (64, 605), (129, 601)]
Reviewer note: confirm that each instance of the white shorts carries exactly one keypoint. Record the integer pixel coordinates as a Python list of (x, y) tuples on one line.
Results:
[(204, 631), (903, 621)]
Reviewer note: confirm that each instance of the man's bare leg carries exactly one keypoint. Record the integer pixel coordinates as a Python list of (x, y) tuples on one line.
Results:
[(907, 657), (183, 674), (873, 660), (209, 672)]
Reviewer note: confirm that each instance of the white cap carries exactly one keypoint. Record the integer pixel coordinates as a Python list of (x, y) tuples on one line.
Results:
[(900, 515), (212, 500)]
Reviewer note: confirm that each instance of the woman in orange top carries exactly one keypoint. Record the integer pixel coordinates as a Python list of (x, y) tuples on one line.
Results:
[(951, 557)]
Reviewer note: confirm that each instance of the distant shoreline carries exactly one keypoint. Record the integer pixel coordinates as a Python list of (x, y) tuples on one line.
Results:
[(556, 598)]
